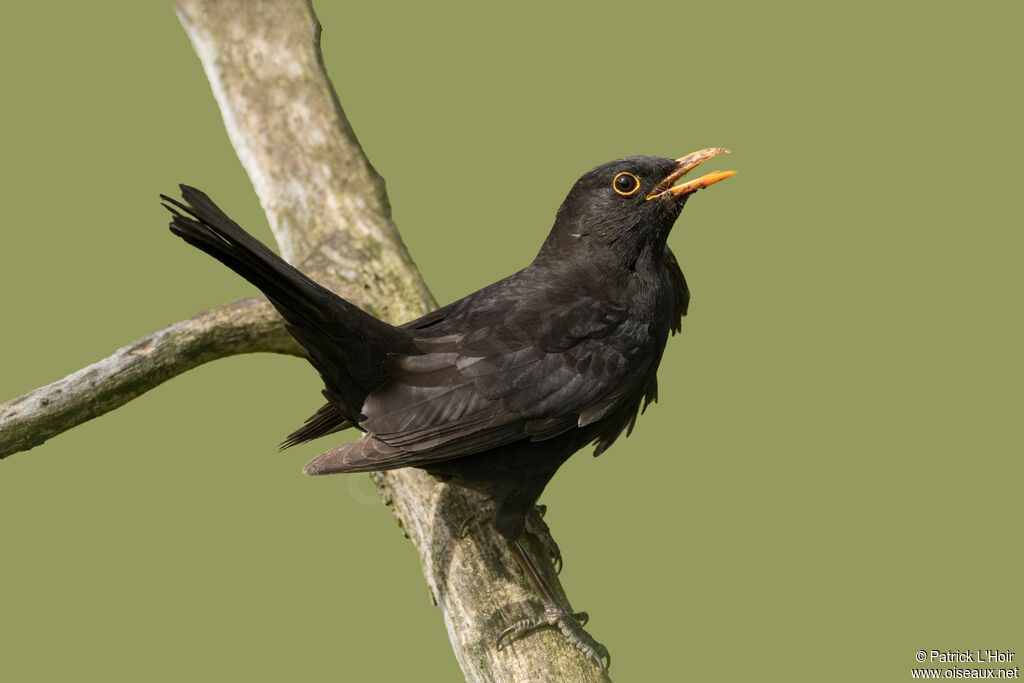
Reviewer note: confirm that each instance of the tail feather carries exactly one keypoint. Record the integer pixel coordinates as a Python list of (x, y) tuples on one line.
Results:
[(296, 296), (325, 421), (346, 345)]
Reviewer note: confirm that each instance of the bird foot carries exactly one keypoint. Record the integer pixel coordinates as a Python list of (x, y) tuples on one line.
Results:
[(535, 526), (485, 508), (538, 528), (570, 624)]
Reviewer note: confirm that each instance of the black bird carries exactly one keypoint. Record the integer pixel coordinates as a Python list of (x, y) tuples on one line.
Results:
[(495, 391)]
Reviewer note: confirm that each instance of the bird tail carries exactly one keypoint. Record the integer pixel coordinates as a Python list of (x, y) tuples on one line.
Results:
[(347, 346)]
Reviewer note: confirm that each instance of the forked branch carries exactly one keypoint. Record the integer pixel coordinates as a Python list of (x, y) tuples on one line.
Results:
[(330, 215)]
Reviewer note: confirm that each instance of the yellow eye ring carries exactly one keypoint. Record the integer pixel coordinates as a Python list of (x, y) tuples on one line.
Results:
[(626, 183)]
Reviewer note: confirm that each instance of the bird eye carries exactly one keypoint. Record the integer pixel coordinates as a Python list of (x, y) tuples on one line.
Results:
[(626, 184)]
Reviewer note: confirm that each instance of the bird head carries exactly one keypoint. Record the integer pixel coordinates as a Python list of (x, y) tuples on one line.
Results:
[(631, 203)]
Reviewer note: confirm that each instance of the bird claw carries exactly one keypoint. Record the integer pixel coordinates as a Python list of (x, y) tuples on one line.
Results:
[(466, 522), (535, 526), (485, 507), (538, 528), (570, 624)]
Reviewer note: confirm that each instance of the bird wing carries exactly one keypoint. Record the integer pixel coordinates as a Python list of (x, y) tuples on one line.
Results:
[(533, 370), (587, 325)]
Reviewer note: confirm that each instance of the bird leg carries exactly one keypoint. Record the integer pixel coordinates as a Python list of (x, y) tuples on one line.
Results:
[(535, 525), (554, 614), (538, 528)]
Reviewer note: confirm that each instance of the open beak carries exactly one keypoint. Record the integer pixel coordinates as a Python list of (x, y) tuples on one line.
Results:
[(684, 165)]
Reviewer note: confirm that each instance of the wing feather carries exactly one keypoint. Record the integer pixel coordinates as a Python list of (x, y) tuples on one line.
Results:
[(530, 376)]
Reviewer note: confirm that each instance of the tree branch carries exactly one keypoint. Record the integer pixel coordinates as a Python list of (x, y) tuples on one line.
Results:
[(324, 201), (240, 327), (330, 215)]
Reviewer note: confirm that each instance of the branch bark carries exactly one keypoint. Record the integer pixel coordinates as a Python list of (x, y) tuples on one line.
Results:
[(330, 215), (240, 327)]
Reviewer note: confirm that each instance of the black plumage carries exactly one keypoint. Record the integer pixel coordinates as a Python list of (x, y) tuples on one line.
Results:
[(495, 391)]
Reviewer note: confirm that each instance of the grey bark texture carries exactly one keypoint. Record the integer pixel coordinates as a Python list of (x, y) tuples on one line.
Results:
[(241, 327), (330, 215)]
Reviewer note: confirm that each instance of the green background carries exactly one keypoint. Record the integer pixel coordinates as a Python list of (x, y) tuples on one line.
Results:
[(830, 482)]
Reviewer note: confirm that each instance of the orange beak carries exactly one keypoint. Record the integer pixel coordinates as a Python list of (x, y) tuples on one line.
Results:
[(684, 165)]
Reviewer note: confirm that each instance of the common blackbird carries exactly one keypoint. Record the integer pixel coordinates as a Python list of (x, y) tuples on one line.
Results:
[(495, 391)]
